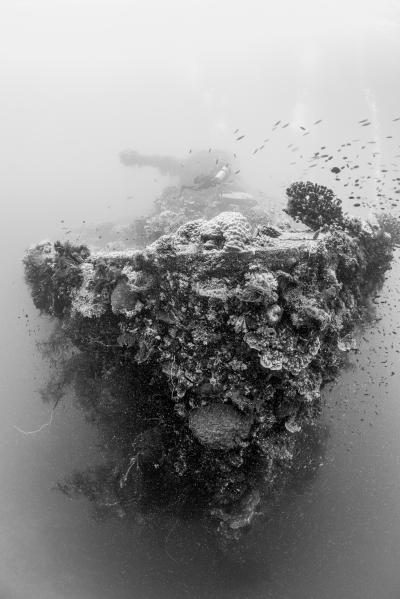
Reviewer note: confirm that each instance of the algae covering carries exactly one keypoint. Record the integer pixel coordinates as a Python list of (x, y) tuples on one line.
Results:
[(201, 353)]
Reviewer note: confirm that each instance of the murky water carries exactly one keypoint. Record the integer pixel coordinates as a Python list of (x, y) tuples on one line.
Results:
[(336, 534)]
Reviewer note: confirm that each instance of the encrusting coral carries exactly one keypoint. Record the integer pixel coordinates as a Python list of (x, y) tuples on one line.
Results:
[(201, 357)]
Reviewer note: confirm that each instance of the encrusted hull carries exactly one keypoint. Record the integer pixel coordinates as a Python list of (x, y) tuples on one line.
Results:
[(205, 353)]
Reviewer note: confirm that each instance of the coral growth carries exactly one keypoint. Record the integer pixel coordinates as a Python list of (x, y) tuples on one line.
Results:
[(315, 205), (202, 357)]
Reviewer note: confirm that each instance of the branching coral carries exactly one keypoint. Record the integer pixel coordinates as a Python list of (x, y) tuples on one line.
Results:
[(315, 205)]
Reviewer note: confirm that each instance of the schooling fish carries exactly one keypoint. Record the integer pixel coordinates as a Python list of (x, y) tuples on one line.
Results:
[(239, 138)]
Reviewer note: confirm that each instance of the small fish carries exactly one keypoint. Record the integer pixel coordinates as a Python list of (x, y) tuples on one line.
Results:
[(237, 172), (303, 128), (236, 131), (363, 121), (335, 170), (277, 123), (396, 119), (239, 138), (307, 133), (255, 151), (190, 151), (284, 126), (318, 122)]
